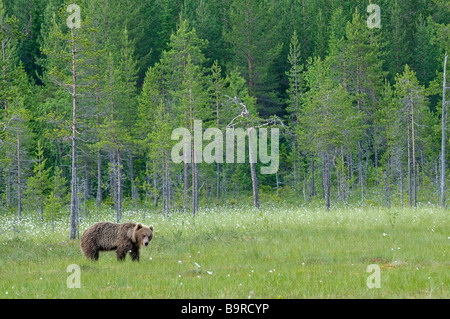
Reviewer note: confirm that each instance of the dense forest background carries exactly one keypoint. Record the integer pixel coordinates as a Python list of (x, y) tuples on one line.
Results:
[(360, 107)]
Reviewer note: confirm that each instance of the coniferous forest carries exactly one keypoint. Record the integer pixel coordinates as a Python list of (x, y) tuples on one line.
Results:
[(87, 111)]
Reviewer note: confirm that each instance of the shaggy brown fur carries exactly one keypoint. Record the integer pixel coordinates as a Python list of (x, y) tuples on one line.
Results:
[(123, 238)]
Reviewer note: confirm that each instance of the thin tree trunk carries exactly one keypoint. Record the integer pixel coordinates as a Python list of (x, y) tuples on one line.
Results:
[(218, 183), (133, 185), (252, 159), (194, 159), (41, 196), (326, 179), (444, 128), (387, 186), (146, 183), (99, 181), (86, 186), (186, 185), (360, 172), (409, 167), (73, 196), (155, 185), (112, 178), (19, 180), (119, 186), (413, 153), (218, 164), (401, 186), (312, 183), (8, 189), (224, 182)]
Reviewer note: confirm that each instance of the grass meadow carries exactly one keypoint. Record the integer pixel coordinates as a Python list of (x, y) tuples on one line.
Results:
[(240, 252)]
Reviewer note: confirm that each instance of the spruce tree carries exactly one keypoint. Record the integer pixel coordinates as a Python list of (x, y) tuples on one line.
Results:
[(38, 184)]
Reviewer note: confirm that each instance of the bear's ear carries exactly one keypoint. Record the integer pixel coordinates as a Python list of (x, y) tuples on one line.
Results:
[(133, 235), (151, 227)]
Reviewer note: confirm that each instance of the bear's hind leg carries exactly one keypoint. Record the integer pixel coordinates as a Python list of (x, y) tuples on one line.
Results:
[(91, 253), (95, 255)]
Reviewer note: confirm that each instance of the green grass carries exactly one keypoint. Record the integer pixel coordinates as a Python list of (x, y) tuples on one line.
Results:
[(240, 252)]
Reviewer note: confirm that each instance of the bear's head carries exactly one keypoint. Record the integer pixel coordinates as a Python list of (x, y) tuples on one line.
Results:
[(142, 235)]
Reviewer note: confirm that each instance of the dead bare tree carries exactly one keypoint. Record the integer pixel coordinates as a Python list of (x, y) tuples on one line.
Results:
[(251, 124)]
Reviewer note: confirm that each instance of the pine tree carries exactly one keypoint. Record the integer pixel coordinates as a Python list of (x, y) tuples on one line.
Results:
[(15, 97), (329, 122), (69, 65), (385, 119), (412, 110), (16, 135), (187, 89), (115, 133), (356, 62)]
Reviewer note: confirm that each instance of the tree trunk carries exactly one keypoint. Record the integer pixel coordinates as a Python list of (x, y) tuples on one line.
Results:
[(387, 186), (99, 181), (444, 128), (155, 185), (86, 186), (312, 183), (112, 178), (186, 185), (193, 159), (413, 153), (73, 196), (409, 166), (360, 172), (218, 164), (252, 159), (119, 186), (19, 180), (326, 179), (133, 185), (401, 186)]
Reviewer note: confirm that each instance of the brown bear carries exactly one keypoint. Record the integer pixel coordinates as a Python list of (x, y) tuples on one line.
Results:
[(123, 238)]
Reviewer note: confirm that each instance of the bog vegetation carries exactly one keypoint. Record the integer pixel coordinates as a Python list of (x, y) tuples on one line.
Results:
[(239, 252)]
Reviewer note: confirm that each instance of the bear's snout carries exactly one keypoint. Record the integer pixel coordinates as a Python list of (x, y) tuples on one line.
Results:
[(146, 240)]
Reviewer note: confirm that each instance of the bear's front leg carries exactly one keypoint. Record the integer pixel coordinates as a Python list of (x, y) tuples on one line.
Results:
[(134, 255), (121, 253)]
